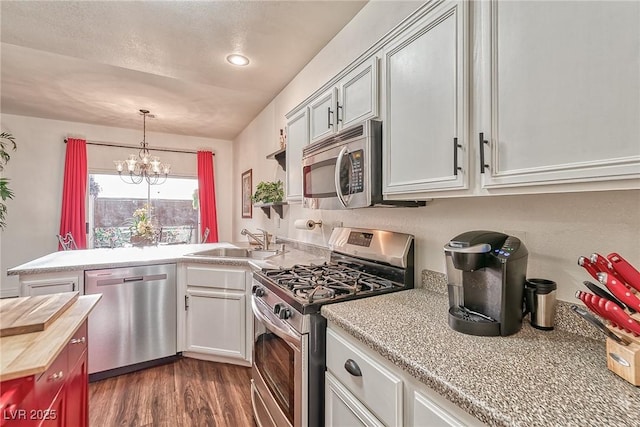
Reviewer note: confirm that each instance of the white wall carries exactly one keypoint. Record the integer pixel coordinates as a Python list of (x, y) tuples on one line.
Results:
[(261, 137), (36, 172), (557, 228)]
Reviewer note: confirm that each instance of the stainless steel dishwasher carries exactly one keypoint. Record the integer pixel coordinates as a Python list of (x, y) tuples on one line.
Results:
[(134, 324)]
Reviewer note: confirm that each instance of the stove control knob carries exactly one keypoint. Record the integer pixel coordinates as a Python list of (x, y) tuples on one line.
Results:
[(285, 313), (281, 311), (257, 291)]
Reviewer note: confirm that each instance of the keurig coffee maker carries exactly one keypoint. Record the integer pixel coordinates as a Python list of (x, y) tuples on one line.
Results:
[(486, 273)]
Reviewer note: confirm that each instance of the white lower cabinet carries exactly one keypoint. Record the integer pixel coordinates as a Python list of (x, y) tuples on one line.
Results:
[(216, 324), (364, 389), (427, 413), (51, 283), (375, 386), (342, 409)]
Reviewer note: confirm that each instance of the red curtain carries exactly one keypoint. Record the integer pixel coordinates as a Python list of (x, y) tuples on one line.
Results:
[(74, 192), (207, 195)]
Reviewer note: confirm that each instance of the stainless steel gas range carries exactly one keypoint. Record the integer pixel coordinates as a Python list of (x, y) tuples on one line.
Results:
[(290, 334)]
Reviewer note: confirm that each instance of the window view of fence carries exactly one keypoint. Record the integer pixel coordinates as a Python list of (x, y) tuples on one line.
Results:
[(123, 214)]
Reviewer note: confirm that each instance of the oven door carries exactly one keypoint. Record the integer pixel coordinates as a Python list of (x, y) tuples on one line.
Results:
[(279, 376), (337, 178)]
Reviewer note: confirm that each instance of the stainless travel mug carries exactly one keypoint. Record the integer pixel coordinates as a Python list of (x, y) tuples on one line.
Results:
[(541, 302)]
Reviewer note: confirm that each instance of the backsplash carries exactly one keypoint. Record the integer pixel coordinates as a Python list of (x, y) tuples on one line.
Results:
[(565, 319), (314, 249)]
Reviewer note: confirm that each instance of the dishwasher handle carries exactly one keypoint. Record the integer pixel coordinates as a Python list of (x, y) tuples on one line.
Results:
[(129, 279)]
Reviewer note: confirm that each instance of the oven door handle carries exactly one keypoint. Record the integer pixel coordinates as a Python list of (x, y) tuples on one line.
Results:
[(279, 327), (343, 202)]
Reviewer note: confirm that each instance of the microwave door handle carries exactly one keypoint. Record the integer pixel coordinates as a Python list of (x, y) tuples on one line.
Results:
[(337, 176)]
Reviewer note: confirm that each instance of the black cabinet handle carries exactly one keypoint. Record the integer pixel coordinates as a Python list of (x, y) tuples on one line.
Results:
[(329, 113), (456, 168), (352, 367), (482, 141), (338, 109)]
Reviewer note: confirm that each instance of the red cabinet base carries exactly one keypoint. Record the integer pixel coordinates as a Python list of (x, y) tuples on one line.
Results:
[(56, 398)]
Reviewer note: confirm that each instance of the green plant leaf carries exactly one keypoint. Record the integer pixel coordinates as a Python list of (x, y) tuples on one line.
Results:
[(5, 192), (268, 192)]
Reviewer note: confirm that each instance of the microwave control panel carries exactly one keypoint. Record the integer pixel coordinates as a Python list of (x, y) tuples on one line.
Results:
[(357, 172)]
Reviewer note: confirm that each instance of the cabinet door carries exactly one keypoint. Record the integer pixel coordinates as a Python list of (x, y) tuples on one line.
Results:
[(358, 95), (425, 92), (76, 389), (322, 111), (342, 409), (426, 413), (560, 91), (55, 415), (298, 138), (216, 323)]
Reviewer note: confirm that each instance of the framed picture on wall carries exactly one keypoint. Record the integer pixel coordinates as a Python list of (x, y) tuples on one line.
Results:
[(247, 207)]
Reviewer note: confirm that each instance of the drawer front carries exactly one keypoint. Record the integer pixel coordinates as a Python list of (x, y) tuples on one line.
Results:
[(222, 278), (77, 345), (342, 409), (377, 388), (51, 381)]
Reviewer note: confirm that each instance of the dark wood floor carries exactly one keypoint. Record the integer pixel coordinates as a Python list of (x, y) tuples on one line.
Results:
[(188, 392)]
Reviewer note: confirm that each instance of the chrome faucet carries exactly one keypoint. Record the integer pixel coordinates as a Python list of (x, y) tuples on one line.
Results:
[(263, 242), (265, 235)]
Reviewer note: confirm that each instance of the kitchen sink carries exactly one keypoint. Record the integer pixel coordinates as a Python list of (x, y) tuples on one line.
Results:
[(236, 253)]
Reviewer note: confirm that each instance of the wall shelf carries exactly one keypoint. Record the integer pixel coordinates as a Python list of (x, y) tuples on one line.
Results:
[(266, 208), (281, 157)]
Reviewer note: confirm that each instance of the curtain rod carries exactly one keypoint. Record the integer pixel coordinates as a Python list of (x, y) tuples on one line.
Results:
[(135, 147)]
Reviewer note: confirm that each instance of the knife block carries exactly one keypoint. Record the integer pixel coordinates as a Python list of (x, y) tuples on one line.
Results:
[(624, 360)]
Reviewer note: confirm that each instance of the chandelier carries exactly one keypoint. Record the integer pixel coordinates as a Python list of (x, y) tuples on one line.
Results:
[(143, 166)]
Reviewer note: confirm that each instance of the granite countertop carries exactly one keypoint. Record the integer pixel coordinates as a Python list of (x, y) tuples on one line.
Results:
[(532, 378), (89, 259), (33, 353)]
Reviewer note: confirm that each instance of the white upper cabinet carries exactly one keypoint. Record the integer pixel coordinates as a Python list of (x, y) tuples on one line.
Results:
[(559, 91), (322, 112), (353, 99), (358, 98), (297, 139), (425, 85)]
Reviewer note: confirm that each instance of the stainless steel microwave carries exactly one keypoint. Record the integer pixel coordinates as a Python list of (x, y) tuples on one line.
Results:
[(344, 171)]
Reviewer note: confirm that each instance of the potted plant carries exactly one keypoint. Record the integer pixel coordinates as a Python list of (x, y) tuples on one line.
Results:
[(6, 140), (268, 192)]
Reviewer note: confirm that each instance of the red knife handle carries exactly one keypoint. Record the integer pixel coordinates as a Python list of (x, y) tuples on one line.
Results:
[(622, 318), (598, 303), (585, 297), (620, 291), (603, 265), (585, 263), (625, 270)]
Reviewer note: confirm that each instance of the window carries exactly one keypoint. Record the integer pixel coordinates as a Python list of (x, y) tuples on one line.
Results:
[(112, 203)]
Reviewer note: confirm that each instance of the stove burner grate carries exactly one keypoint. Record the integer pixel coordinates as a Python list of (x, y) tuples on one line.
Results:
[(327, 281)]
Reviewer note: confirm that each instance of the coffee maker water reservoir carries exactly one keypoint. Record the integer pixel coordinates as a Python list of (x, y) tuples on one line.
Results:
[(486, 273)]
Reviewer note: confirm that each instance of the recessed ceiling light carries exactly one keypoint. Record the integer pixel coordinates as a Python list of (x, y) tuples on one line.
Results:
[(237, 59)]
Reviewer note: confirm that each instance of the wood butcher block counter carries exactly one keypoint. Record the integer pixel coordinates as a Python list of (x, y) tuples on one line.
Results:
[(33, 353)]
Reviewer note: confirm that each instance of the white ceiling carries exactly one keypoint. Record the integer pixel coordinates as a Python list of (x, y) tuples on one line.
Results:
[(101, 61)]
